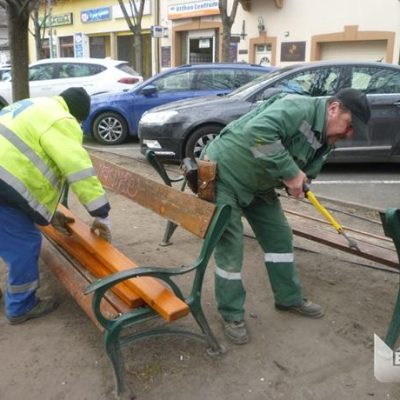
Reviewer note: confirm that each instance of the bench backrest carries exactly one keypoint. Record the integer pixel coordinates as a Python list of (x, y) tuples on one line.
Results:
[(185, 210)]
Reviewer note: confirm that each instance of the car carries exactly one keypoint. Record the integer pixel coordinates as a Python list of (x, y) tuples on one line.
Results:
[(182, 129), (115, 116), (5, 72), (49, 77)]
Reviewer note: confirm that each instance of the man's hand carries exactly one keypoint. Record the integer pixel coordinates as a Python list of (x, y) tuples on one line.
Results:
[(102, 227), (294, 185), (60, 222)]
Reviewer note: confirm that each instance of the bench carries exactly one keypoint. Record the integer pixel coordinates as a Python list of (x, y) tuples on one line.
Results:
[(124, 294), (391, 226), (373, 247)]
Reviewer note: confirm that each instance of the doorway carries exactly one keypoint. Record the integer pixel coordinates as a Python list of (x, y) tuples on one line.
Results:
[(201, 47)]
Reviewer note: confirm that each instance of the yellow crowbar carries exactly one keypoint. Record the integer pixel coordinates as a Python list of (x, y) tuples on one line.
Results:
[(314, 201)]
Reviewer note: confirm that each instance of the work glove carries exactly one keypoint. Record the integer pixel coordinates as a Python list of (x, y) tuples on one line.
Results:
[(102, 227), (60, 222)]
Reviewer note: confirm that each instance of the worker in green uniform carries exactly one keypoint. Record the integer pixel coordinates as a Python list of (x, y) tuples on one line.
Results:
[(282, 143)]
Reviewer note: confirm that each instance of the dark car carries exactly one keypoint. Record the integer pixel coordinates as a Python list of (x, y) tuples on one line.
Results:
[(182, 128), (114, 116)]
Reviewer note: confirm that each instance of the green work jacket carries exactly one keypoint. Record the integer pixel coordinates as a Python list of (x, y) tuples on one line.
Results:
[(283, 135), (40, 150)]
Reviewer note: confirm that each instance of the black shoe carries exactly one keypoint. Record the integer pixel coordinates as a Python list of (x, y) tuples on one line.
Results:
[(306, 309), (236, 331), (1, 294), (42, 307)]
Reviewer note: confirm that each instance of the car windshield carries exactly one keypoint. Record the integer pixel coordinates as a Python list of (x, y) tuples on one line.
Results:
[(258, 83)]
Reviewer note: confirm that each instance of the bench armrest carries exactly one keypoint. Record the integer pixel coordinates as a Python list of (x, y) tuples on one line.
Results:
[(164, 274), (100, 287), (159, 167)]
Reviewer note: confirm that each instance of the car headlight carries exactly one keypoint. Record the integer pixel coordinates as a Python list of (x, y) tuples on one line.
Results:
[(157, 118)]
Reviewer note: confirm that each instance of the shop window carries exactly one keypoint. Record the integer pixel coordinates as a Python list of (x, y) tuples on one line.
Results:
[(97, 46), (66, 46), (44, 48)]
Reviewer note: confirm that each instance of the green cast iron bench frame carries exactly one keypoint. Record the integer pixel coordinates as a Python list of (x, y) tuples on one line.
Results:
[(391, 226), (116, 332)]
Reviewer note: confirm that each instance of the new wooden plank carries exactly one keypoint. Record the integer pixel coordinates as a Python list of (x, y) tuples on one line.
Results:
[(74, 282), (183, 209), (371, 247), (72, 246), (151, 290)]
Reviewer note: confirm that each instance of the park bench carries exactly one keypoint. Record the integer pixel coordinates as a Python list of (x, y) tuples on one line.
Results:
[(374, 248), (124, 295)]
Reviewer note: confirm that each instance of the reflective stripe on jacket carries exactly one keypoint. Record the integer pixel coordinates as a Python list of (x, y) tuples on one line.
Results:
[(256, 152), (40, 150)]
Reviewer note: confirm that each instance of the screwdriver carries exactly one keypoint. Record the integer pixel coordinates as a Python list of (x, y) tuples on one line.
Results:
[(314, 201)]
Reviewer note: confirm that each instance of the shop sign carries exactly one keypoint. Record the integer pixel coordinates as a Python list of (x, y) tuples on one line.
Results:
[(193, 9), (78, 45), (96, 14), (57, 20)]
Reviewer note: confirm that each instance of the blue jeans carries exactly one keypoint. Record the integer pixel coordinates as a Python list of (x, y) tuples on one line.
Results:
[(20, 242)]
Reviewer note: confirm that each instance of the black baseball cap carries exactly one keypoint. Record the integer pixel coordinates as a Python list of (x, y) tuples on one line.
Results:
[(357, 103)]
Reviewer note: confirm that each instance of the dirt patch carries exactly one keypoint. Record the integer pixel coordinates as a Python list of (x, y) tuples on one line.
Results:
[(61, 356)]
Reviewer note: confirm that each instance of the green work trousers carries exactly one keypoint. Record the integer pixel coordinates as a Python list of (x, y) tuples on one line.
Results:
[(269, 224)]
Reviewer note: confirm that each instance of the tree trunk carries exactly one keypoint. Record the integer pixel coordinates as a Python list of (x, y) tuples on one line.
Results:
[(37, 35), (137, 49), (227, 22), (18, 37), (226, 43)]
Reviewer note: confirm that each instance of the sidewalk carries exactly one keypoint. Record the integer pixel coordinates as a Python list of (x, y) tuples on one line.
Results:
[(61, 356)]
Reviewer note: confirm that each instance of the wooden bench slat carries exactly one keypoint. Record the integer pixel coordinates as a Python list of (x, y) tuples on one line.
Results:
[(152, 291), (126, 294), (324, 233), (74, 282), (181, 208)]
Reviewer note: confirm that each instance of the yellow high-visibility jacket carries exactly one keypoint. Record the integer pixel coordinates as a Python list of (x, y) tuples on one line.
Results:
[(40, 150)]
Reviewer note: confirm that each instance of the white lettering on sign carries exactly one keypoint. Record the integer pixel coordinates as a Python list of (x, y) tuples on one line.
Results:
[(195, 8)]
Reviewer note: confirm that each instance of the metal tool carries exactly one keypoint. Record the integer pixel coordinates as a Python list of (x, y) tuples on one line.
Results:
[(314, 201)]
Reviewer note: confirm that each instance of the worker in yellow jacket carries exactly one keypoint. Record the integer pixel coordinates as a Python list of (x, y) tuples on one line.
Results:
[(40, 152)]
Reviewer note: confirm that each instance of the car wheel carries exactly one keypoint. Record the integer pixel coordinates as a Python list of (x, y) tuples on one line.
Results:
[(199, 138), (110, 128)]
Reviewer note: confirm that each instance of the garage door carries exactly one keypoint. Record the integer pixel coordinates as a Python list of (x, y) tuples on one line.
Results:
[(355, 51)]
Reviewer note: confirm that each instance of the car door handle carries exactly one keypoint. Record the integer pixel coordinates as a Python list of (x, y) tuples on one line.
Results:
[(397, 103)]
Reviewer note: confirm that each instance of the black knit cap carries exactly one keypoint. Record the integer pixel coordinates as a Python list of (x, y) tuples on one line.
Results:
[(78, 102), (357, 103)]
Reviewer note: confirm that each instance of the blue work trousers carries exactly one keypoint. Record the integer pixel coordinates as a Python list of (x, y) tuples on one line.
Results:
[(20, 242)]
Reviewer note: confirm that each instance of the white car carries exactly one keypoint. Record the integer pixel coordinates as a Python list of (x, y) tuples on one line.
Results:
[(51, 76)]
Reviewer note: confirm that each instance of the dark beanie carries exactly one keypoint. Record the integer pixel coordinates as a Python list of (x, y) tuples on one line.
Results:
[(78, 102)]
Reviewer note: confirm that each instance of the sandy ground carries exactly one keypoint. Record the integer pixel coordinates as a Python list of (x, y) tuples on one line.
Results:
[(61, 356)]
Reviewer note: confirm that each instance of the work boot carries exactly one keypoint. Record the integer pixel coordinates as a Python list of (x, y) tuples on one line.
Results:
[(236, 331), (42, 307), (306, 309)]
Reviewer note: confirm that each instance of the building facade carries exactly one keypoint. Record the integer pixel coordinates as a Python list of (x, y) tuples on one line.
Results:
[(269, 32), (91, 28), (280, 32)]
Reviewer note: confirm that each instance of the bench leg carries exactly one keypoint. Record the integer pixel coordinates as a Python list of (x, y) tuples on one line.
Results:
[(113, 350), (169, 231), (394, 326), (214, 347)]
